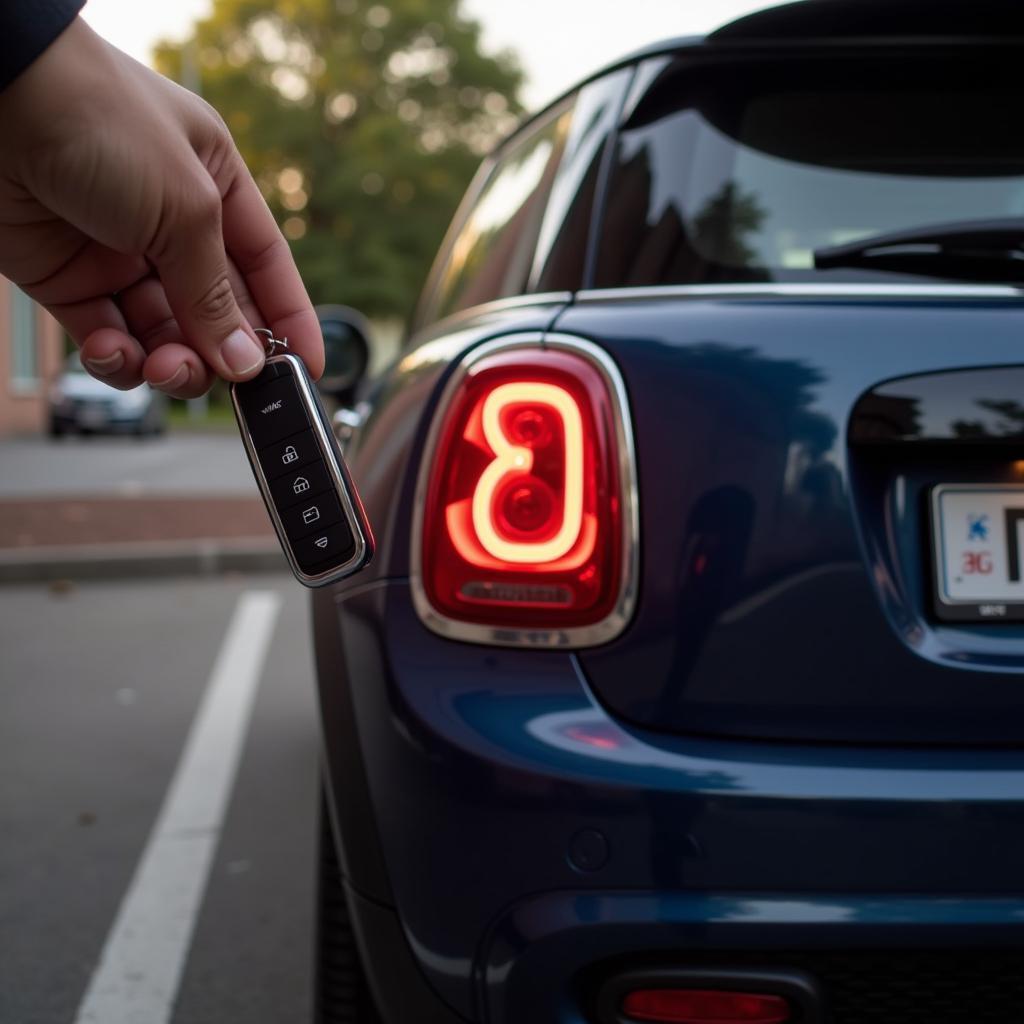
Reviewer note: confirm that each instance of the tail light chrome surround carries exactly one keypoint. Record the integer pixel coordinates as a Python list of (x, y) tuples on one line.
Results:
[(616, 620)]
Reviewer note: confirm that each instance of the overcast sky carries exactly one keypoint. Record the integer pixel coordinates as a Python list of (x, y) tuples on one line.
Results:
[(558, 41)]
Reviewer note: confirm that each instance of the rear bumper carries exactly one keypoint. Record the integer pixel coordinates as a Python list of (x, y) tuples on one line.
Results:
[(865, 957), (533, 845), (401, 994)]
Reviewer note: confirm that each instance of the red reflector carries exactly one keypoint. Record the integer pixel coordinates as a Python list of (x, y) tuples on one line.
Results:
[(703, 1006)]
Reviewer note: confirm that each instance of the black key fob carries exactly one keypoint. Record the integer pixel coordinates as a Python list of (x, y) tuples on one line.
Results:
[(301, 473)]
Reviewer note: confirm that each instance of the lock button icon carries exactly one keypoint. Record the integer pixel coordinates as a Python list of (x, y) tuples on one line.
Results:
[(290, 455), (301, 484)]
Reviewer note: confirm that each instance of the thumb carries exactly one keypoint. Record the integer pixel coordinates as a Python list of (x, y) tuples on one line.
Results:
[(193, 269)]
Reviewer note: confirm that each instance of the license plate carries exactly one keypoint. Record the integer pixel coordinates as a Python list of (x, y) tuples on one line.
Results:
[(979, 542), (93, 416)]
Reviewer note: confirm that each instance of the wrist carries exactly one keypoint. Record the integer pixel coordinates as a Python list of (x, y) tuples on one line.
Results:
[(56, 95), (27, 28)]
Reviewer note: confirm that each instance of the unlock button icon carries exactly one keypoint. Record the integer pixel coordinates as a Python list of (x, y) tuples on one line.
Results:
[(290, 455)]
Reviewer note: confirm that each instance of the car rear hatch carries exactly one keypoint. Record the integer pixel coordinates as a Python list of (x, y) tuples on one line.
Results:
[(796, 426)]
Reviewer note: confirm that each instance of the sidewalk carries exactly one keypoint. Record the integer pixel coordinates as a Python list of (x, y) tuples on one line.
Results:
[(90, 537), (34, 522)]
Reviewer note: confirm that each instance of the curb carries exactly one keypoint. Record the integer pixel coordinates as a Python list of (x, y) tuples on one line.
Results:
[(141, 560)]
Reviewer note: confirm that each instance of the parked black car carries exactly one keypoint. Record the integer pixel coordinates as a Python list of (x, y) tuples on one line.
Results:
[(687, 682)]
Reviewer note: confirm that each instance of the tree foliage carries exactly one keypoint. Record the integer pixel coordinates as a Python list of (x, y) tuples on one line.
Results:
[(362, 122)]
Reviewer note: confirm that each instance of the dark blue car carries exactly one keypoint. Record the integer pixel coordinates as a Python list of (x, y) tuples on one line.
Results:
[(688, 682)]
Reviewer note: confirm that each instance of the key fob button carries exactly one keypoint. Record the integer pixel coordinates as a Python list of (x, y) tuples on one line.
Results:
[(317, 512), (332, 546), (298, 484), (289, 455), (273, 411)]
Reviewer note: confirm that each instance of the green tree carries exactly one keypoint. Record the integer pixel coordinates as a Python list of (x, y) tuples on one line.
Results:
[(362, 122), (723, 223)]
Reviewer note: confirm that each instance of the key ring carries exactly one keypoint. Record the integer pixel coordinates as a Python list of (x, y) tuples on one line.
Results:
[(271, 341)]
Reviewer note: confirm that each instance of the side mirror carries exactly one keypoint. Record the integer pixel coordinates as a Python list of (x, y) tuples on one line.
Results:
[(347, 347)]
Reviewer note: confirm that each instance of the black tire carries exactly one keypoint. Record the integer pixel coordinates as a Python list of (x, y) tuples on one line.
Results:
[(342, 993), (56, 429)]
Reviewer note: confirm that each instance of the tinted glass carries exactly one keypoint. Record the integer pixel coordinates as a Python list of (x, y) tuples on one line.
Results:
[(731, 173), (562, 243), (492, 254)]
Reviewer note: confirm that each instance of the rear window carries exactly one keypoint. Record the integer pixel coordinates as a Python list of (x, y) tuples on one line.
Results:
[(736, 172)]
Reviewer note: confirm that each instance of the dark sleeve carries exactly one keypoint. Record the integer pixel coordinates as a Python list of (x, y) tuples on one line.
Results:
[(27, 27)]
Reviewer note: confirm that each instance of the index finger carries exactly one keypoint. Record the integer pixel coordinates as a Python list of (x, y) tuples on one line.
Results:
[(255, 243)]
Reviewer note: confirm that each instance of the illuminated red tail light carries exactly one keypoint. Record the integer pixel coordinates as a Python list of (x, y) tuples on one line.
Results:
[(698, 1006), (527, 500)]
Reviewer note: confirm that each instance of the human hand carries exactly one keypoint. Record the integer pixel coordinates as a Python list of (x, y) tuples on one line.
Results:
[(126, 210)]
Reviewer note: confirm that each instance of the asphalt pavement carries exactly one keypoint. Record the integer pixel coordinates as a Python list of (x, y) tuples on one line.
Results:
[(177, 463), (107, 691)]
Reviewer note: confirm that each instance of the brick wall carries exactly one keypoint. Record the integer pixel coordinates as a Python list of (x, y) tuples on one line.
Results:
[(23, 405)]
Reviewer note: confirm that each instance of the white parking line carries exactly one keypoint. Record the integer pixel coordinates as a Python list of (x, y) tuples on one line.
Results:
[(137, 978)]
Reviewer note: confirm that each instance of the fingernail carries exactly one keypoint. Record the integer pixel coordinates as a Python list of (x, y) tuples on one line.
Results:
[(105, 366), (176, 380), (241, 353)]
